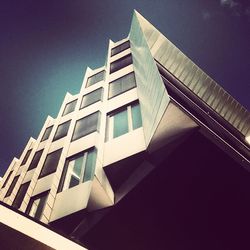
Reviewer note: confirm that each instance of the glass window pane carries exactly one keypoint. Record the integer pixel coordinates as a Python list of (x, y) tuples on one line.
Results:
[(26, 157), (78, 169), (46, 133), (70, 107), (12, 185), (37, 204), (120, 123), (20, 195), (35, 159), (62, 130), (51, 162), (121, 63), (7, 179), (92, 97), (120, 48), (86, 126), (90, 166), (136, 116), (122, 84), (96, 78)]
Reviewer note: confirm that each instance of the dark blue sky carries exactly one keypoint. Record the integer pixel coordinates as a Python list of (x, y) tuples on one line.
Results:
[(46, 45)]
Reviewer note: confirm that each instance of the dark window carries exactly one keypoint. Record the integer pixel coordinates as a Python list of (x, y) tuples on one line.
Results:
[(122, 84), (7, 179), (35, 160), (20, 195), (12, 185), (92, 97), (120, 63), (78, 168), (86, 125), (26, 157), (95, 78), (70, 107), (37, 204), (62, 130), (46, 133), (51, 162), (120, 48)]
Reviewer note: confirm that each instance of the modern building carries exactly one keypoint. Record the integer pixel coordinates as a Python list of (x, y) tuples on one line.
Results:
[(151, 154)]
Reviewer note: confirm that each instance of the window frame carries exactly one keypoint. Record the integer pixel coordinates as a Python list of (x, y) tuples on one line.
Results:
[(67, 104), (58, 137), (73, 138), (12, 186), (120, 50), (110, 120), (123, 91), (49, 170), (33, 199), (7, 179), (32, 165), (17, 202), (84, 154), (88, 94), (130, 62), (88, 84), (46, 134)]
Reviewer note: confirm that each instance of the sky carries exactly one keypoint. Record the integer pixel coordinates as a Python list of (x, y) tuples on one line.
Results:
[(46, 46)]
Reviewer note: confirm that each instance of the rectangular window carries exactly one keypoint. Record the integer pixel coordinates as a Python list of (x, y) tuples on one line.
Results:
[(96, 78), (7, 179), (12, 185), (121, 63), (78, 168), (37, 204), (91, 98), (123, 120), (46, 133), (26, 157), (86, 125), (122, 84), (50, 163), (35, 160), (20, 195), (62, 130), (120, 48), (70, 107)]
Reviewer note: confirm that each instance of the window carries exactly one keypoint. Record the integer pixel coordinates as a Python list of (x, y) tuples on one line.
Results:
[(78, 169), (20, 195), (70, 107), (120, 48), (26, 157), (122, 84), (86, 125), (62, 130), (12, 185), (123, 120), (46, 133), (121, 63), (96, 78), (37, 204), (92, 97), (35, 160), (50, 163), (7, 179)]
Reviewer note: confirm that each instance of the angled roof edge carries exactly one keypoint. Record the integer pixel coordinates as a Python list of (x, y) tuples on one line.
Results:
[(194, 78)]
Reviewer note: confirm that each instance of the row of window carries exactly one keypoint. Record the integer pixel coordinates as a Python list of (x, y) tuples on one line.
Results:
[(116, 87), (78, 169), (114, 66)]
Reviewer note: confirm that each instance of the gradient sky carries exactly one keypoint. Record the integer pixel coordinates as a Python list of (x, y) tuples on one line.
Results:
[(46, 45)]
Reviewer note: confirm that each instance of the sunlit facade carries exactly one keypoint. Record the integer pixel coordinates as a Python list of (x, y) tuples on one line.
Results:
[(130, 115)]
